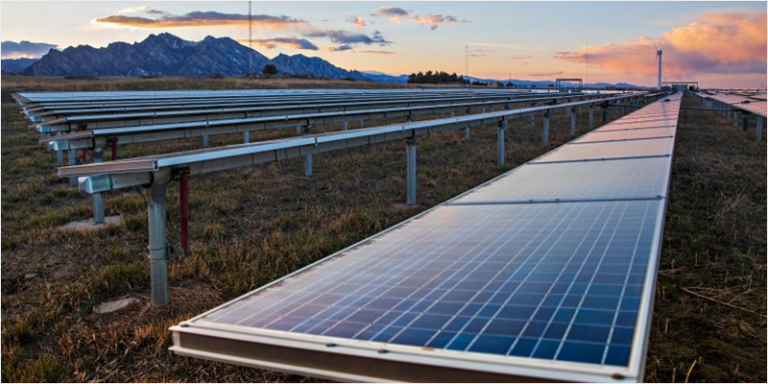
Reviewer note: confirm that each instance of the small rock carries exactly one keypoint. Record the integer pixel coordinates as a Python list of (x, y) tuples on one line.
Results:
[(30, 276), (90, 225), (114, 306)]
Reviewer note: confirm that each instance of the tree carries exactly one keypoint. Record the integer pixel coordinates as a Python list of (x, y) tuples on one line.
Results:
[(270, 70)]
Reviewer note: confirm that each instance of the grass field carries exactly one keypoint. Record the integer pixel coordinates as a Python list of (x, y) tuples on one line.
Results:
[(271, 220)]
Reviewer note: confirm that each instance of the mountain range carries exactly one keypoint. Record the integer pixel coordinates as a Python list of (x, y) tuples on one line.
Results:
[(168, 55)]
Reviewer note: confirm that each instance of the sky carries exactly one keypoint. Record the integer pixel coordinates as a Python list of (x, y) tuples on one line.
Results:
[(718, 44)]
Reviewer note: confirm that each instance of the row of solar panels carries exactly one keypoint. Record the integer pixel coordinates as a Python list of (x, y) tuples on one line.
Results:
[(46, 97), (211, 124), (43, 110), (544, 273), (752, 103), (97, 118)]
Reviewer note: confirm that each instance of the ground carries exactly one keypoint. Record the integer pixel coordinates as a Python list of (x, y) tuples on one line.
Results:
[(254, 225)]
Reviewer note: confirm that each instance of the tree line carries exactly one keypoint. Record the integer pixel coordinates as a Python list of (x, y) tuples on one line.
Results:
[(437, 77)]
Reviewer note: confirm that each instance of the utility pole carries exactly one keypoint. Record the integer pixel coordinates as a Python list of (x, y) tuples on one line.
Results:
[(466, 62), (587, 66), (250, 40)]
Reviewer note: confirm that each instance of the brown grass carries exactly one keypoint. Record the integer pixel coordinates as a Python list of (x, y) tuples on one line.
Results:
[(267, 222)]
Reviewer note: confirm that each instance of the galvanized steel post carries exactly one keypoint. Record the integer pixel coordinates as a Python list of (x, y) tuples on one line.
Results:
[(545, 134), (411, 171), (72, 154), (158, 243), (501, 143), (206, 142), (247, 137), (573, 122), (591, 118), (308, 157), (184, 209), (346, 126), (745, 121), (59, 157), (98, 198)]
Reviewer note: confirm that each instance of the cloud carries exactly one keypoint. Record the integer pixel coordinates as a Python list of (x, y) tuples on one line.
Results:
[(546, 74), (434, 20), (715, 43), (13, 49), (520, 57), (357, 21), (480, 52), (374, 52), (340, 48), (199, 19), (350, 38), (289, 42), (512, 47), (395, 15)]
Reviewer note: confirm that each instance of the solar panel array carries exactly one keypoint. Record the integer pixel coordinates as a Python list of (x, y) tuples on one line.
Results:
[(752, 103), (549, 268)]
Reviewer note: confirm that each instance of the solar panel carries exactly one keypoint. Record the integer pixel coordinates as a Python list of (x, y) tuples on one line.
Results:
[(632, 134), (602, 150), (559, 282), (610, 179), (546, 272)]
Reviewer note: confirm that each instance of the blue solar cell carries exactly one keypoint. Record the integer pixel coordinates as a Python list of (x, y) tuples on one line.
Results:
[(539, 281)]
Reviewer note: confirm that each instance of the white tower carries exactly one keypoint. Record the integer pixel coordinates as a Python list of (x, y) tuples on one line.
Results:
[(658, 57)]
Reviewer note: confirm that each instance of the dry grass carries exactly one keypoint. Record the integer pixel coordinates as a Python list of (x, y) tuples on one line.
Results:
[(709, 319), (268, 221)]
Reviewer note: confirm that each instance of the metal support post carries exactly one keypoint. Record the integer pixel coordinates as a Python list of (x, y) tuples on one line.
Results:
[(98, 198), (298, 130), (501, 143), (362, 123), (308, 157), (158, 244), (184, 209), (605, 114), (346, 126), (113, 143), (59, 157), (745, 121), (206, 142), (72, 154), (545, 134), (411, 171), (591, 118), (247, 137), (573, 122)]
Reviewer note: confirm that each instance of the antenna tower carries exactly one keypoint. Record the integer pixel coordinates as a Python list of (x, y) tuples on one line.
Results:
[(250, 40)]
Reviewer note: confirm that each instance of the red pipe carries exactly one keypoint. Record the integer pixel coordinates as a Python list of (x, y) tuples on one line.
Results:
[(184, 209), (114, 149)]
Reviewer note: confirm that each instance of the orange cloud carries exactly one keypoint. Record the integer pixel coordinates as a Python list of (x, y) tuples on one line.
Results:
[(716, 43), (433, 21), (201, 19), (288, 42), (357, 21)]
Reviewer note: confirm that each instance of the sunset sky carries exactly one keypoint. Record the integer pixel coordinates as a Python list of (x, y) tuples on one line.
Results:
[(719, 44)]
